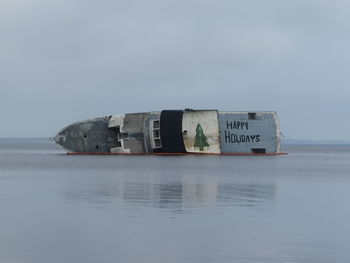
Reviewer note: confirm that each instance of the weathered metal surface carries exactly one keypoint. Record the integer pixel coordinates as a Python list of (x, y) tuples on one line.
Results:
[(152, 132), (189, 131), (249, 132), (130, 132), (90, 135), (116, 121), (200, 131)]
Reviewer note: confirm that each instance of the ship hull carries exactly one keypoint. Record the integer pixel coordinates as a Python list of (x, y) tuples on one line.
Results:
[(175, 132)]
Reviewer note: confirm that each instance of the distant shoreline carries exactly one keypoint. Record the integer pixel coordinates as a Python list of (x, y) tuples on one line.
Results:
[(310, 142)]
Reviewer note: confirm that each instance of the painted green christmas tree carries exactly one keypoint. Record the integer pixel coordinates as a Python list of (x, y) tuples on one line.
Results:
[(201, 140)]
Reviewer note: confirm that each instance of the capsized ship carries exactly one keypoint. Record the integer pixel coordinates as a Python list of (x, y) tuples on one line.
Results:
[(175, 131)]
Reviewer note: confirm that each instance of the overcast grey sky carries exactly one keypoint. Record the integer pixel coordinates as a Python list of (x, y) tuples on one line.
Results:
[(67, 60)]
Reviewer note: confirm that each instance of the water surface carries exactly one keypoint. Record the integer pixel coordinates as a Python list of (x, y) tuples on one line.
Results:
[(62, 208)]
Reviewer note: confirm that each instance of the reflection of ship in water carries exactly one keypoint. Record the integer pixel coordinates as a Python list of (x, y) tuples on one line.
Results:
[(247, 194), (190, 191)]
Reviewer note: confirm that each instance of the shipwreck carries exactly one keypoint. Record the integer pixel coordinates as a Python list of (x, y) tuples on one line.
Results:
[(175, 132)]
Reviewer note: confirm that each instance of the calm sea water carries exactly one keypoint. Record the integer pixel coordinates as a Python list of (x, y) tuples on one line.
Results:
[(60, 208)]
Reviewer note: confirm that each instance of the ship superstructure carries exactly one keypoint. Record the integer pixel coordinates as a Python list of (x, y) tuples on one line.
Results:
[(175, 131)]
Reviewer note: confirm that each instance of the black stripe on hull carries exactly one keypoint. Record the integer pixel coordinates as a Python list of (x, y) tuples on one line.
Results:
[(171, 132)]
